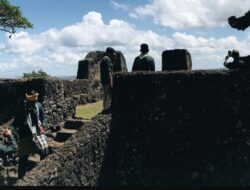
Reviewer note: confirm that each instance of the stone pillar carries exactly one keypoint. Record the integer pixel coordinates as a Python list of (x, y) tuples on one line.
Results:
[(177, 59), (89, 67)]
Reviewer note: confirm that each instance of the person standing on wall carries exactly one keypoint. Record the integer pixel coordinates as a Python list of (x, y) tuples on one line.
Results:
[(144, 62), (106, 67)]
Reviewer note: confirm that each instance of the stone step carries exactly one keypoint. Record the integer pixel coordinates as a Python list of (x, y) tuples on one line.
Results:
[(64, 134), (73, 123)]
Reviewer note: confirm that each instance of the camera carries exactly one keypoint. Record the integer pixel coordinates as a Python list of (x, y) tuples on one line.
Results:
[(229, 53)]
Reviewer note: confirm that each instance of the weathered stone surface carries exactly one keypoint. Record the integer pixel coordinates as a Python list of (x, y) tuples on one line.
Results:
[(77, 162), (120, 63), (168, 128), (11, 92), (89, 67), (59, 97), (177, 59), (73, 124), (64, 134), (179, 128)]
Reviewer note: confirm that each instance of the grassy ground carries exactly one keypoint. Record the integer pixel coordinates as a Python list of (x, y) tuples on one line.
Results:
[(88, 111)]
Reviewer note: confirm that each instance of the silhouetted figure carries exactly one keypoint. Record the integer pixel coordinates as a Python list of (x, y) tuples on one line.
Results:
[(236, 62), (144, 62), (240, 23), (106, 67)]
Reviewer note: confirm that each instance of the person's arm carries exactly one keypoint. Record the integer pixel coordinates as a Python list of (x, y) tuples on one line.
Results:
[(109, 69), (10, 145), (229, 63), (153, 65), (42, 118), (135, 64), (110, 79), (237, 64)]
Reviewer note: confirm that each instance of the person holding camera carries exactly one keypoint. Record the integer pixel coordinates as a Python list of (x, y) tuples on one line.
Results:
[(233, 61)]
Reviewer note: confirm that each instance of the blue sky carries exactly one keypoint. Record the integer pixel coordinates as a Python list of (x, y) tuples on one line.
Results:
[(66, 30)]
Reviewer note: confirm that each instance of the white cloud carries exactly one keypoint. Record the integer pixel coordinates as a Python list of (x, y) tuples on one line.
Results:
[(58, 51), (181, 14), (22, 43), (199, 42), (117, 5), (8, 67), (69, 45), (64, 48), (208, 53)]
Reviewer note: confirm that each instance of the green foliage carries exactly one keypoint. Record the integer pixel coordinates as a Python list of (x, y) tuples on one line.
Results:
[(11, 18), (35, 74)]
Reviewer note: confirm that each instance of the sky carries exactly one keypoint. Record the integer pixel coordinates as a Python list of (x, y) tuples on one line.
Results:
[(65, 31)]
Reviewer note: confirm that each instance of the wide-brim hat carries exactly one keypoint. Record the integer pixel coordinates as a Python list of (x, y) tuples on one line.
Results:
[(32, 97)]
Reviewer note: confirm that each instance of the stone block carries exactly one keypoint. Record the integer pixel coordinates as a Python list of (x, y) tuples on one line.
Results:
[(177, 59)]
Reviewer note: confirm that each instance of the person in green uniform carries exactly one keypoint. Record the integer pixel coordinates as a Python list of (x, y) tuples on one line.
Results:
[(106, 68), (144, 62)]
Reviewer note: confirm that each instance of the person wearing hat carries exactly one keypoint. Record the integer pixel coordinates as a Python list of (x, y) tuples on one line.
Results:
[(144, 62), (106, 67), (233, 61), (29, 116)]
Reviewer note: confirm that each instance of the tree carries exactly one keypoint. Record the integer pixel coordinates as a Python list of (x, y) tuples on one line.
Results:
[(240, 23), (35, 74), (11, 18)]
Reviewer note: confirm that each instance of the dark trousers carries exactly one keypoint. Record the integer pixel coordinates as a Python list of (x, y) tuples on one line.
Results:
[(22, 166)]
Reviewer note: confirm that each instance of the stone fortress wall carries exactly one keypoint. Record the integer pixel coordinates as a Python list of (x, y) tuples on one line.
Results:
[(59, 97), (166, 128), (179, 128)]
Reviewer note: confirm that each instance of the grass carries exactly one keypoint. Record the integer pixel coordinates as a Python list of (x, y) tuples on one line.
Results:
[(88, 111)]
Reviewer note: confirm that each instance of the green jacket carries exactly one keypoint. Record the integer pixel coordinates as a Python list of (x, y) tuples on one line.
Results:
[(8, 145), (143, 62)]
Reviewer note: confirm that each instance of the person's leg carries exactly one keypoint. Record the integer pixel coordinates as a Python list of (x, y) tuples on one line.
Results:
[(109, 97), (105, 96), (22, 166)]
